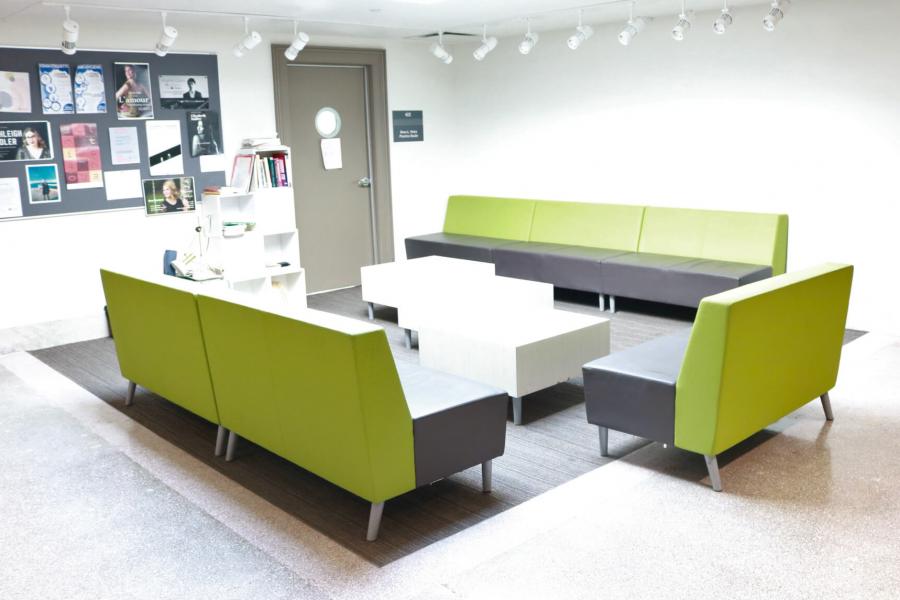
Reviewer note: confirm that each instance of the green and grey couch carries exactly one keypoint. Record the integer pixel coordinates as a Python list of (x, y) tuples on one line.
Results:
[(672, 255), (753, 355), (318, 389)]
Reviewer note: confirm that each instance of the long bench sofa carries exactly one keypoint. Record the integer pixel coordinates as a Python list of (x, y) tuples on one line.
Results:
[(672, 255), (754, 355), (318, 389)]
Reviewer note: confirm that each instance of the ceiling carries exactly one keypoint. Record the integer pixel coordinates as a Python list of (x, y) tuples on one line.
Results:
[(377, 18)]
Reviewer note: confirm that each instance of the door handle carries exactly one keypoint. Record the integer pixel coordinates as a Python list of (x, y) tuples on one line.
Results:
[(365, 182)]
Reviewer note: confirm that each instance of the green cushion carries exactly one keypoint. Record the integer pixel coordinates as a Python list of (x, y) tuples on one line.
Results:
[(759, 352), (317, 389), (158, 340), (754, 238), (613, 226), (503, 218)]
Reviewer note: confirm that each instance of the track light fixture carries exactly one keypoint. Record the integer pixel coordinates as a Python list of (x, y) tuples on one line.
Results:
[(634, 27), (529, 41), (69, 42), (581, 35), (724, 21), (166, 38), (776, 14), (251, 40), (301, 39), (683, 26), (487, 45), (440, 52)]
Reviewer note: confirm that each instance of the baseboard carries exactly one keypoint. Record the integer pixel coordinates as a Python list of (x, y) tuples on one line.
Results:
[(52, 333)]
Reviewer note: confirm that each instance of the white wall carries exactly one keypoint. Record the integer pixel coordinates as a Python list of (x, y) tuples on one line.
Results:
[(49, 269), (803, 121)]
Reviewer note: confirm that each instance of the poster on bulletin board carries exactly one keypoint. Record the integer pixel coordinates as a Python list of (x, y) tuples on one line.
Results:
[(66, 146)]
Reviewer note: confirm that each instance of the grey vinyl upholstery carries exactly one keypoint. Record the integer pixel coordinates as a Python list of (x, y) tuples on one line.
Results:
[(467, 247), (674, 279), (457, 423), (573, 267), (634, 390)]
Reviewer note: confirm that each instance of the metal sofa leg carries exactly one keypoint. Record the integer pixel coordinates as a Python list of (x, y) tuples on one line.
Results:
[(487, 471), (129, 399), (232, 442), (602, 301), (712, 465), (407, 333), (612, 304), (604, 441), (220, 441), (371, 306), (826, 406), (374, 521), (517, 410)]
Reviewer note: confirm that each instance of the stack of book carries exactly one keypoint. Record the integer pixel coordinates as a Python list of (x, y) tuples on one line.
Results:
[(271, 171)]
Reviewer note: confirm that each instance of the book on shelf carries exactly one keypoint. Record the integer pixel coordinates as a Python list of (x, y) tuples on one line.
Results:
[(271, 171)]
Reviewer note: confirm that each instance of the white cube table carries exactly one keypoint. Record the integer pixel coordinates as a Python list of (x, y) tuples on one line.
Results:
[(520, 351), (437, 287)]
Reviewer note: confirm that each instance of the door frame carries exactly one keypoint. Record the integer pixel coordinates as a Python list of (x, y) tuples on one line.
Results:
[(373, 60)]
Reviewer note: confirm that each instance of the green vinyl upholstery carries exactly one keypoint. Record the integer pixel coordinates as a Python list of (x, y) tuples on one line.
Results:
[(612, 226), (158, 338), (758, 352), (500, 218), (741, 237), (322, 392)]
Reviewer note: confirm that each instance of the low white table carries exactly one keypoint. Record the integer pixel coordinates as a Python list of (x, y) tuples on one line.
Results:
[(497, 330), (437, 287)]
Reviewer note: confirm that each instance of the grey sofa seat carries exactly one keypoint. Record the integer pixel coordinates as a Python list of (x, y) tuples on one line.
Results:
[(675, 279), (457, 423), (468, 247), (573, 267), (634, 390)]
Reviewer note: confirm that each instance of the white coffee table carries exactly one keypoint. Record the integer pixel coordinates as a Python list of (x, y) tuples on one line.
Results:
[(497, 330), (520, 351), (437, 287)]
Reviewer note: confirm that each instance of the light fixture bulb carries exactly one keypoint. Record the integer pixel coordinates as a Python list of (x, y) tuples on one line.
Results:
[(723, 22), (166, 39), (250, 41), (297, 46), (441, 53), (528, 43), (632, 29), (776, 14), (69, 42), (681, 28), (487, 45), (581, 35)]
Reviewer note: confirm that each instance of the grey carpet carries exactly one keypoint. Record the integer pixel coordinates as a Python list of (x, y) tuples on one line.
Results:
[(555, 444)]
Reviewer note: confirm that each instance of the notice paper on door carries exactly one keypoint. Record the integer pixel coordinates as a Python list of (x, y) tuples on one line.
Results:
[(331, 154)]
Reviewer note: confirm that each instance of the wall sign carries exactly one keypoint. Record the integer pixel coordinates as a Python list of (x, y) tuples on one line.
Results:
[(408, 126)]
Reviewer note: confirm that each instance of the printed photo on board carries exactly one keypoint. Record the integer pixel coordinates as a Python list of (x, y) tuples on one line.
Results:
[(203, 129), (15, 92), (43, 184), (184, 91), (25, 140), (165, 196), (134, 99)]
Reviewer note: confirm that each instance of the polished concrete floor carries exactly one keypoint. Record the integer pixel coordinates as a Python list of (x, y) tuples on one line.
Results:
[(95, 506)]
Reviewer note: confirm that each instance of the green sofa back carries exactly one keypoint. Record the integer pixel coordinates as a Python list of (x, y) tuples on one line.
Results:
[(754, 238), (613, 226), (757, 353), (503, 218), (158, 339), (317, 389)]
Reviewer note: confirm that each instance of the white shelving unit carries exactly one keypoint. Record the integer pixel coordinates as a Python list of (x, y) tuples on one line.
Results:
[(253, 262)]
